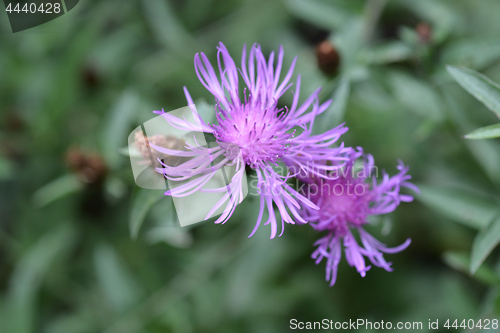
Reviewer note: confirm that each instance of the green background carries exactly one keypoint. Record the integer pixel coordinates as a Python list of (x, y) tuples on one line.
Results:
[(68, 261)]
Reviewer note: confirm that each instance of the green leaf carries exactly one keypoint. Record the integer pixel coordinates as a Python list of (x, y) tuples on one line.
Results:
[(486, 152), (484, 243), (417, 95), (466, 208), (115, 51), (141, 205), (118, 125), (78, 322), (460, 261), (320, 14), (487, 132), (480, 86), (387, 53), (474, 52), (28, 276), (211, 259), (408, 36), (349, 41), (117, 283), (57, 189), (335, 112), (6, 168), (167, 27), (177, 237)]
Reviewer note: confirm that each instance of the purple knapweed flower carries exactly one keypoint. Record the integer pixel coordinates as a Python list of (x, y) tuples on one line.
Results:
[(345, 203), (252, 130)]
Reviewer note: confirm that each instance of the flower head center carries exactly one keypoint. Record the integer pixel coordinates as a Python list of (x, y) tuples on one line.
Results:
[(344, 200), (260, 134)]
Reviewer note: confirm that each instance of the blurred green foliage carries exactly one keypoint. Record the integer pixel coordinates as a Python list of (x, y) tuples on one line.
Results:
[(71, 91)]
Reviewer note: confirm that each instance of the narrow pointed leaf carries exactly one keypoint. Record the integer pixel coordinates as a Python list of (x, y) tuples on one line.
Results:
[(475, 53), (166, 26), (480, 86), (324, 15), (463, 207), (142, 203), (57, 189), (28, 275), (118, 285), (388, 53), (460, 261), (119, 121), (484, 243), (417, 96), (487, 132)]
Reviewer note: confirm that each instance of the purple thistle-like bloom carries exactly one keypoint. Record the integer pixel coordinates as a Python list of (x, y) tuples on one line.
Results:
[(252, 130), (345, 203)]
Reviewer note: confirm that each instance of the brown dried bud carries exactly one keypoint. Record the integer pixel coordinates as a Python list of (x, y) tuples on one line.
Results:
[(328, 57), (90, 167), (12, 150), (149, 155), (14, 122), (90, 76), (424, 32)]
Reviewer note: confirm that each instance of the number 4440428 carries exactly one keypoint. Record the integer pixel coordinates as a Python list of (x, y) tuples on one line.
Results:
[(47, 8), (485, 324)]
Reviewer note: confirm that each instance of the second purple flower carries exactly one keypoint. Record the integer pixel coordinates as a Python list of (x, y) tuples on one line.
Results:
[(346, 202)]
